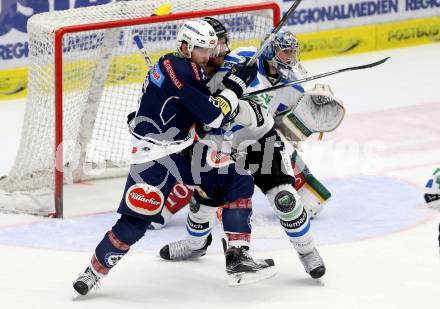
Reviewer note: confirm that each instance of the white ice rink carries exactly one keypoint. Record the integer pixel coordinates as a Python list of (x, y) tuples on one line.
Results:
[(376, 236)]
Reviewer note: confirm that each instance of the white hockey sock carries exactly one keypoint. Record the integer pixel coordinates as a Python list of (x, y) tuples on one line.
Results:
[(293, 217), (201, 219)]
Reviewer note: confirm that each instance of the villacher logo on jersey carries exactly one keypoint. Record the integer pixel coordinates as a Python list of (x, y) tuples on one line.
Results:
[(144, 199)]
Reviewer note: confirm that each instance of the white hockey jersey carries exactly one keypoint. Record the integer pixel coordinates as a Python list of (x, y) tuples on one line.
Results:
[(234, 137)]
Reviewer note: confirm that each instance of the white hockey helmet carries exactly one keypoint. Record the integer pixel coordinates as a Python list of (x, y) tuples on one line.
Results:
[(196, 33)]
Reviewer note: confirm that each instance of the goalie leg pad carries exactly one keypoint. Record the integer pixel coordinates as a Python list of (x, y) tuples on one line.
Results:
[(312, 192), (293, 217), (314, 195)]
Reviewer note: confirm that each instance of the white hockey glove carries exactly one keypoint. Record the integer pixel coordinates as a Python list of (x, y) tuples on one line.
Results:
[(249, 114), (316, 111)]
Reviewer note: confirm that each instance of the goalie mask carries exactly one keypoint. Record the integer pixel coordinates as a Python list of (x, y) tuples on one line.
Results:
[(196, 33), (283, 53)]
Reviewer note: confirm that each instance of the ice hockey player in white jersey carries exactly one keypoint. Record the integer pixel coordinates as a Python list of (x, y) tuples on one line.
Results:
[(274, 175), (297, 125), (432, 190), (432, 194)]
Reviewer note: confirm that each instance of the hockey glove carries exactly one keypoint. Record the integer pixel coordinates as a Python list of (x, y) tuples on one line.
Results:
[(240, 77), (249, 114)]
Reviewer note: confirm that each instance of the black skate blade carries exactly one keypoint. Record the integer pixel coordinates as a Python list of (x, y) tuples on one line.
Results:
[(76, 296), (79, 297), (265, 262), (245, 278)]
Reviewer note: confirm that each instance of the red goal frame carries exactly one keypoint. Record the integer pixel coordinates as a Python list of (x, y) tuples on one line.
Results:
[(58, 55)]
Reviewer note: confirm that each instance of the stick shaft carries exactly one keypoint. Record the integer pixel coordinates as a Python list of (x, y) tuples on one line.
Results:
[(303, 80), (274, 32)]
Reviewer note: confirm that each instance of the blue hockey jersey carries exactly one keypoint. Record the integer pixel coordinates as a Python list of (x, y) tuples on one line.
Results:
[(174, 98)]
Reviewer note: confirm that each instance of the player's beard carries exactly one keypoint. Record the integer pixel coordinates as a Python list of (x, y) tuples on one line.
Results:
[(212, 66)]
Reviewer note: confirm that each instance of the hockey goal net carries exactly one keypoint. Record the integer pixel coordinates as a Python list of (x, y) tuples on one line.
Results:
[(86, 75)]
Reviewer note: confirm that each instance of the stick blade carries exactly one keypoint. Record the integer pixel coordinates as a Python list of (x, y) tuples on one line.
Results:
[(370, 65)]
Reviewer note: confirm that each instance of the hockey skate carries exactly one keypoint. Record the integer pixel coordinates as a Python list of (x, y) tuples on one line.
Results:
[(243, 269), (313, 264), (86, 281), (181, 250)]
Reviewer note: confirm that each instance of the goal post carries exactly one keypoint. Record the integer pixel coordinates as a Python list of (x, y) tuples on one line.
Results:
[(85, 76)]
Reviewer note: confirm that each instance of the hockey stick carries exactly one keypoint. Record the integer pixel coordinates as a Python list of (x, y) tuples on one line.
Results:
[(300, 81), (137, 40), (274, 32), (164, 9)]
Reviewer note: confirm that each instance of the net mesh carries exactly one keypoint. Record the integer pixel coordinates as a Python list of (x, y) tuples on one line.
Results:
[(103, 73)]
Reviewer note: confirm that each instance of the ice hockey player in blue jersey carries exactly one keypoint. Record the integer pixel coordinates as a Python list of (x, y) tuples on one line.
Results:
[(175, 99)]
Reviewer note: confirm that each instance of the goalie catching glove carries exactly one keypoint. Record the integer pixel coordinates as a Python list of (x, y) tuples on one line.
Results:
[(240, 76), (316, 111)]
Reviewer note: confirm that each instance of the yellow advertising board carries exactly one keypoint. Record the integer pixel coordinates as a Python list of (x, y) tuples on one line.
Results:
[(13, 82)]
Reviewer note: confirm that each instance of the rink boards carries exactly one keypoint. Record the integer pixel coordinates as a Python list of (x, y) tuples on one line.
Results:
[(329, 43)]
